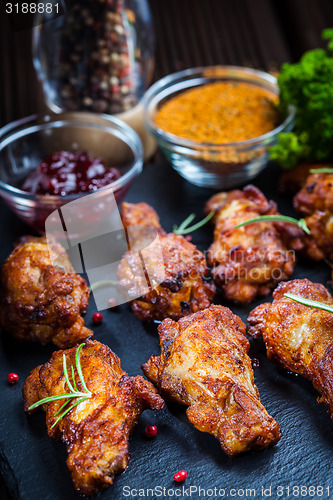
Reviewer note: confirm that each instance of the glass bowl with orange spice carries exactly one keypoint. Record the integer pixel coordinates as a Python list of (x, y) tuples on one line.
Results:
[(216, 124)]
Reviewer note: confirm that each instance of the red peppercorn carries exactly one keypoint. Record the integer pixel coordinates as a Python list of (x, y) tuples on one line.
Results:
[(97, 318), (12, 378), (180, 476), (123, 73), (151, 431)]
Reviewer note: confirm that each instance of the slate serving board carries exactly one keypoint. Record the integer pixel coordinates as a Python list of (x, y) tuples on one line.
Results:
[(34, 466)]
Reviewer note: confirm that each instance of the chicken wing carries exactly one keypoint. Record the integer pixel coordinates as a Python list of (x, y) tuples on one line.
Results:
[(186, 286), (299, 338), (315, 202), (96, 431), (204, 365), (250, 260), (41, 301)]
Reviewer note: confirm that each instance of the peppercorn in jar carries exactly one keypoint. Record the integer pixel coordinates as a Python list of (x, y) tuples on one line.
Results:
[(97, 57)]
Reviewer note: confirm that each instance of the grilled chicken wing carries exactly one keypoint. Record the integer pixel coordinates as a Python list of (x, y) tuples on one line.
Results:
[(204, 365), (315, 202), (299, 338), (41, 301), (185, 287), (249, 261), (96, 431)]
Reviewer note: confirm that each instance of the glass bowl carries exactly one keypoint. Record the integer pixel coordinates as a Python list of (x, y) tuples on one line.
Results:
[(25, 143), (206, 164)]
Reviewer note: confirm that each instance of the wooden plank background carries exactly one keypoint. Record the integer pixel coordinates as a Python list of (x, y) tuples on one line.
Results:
[(258, 33)]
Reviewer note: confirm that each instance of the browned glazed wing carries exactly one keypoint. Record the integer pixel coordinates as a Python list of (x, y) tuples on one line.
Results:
[(204, 365), (40, 301), (315, 202), (96, 431), (140, 214), (186, 287), (249, 261), (299, 338)]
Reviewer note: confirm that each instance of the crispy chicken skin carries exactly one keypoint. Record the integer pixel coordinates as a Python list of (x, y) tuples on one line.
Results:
[(249, 261), (204, 365), (315, 202), (40, 301), (140, 214), (299, 338), (97, 430), (185, 288)]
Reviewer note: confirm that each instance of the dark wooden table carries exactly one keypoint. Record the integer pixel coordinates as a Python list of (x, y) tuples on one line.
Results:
[(257, 33)]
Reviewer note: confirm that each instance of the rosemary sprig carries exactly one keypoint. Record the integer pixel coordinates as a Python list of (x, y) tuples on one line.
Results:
[(309, 302), (325, 170), (276, 218), (183, 227), (74, 391), (184, 224)]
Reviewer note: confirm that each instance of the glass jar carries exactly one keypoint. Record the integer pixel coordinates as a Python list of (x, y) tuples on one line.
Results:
[(97, 57)]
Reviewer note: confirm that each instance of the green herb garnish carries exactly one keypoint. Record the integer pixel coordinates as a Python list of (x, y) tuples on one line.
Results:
[(324, 170), (309, 302), (307, 85), (74, 391), (184, 229), (276, 218)]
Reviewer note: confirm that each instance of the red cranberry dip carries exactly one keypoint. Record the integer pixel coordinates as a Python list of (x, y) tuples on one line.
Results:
[(65, 173)]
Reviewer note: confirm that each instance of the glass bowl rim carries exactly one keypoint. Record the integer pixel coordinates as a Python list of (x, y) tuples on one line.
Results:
[(187, 75), (38, 121)]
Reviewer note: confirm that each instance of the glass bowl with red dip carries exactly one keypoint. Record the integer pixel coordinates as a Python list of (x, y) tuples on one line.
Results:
[(48, 161)]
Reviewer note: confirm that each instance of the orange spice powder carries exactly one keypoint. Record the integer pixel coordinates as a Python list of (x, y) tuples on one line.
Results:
[(220, 113)]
